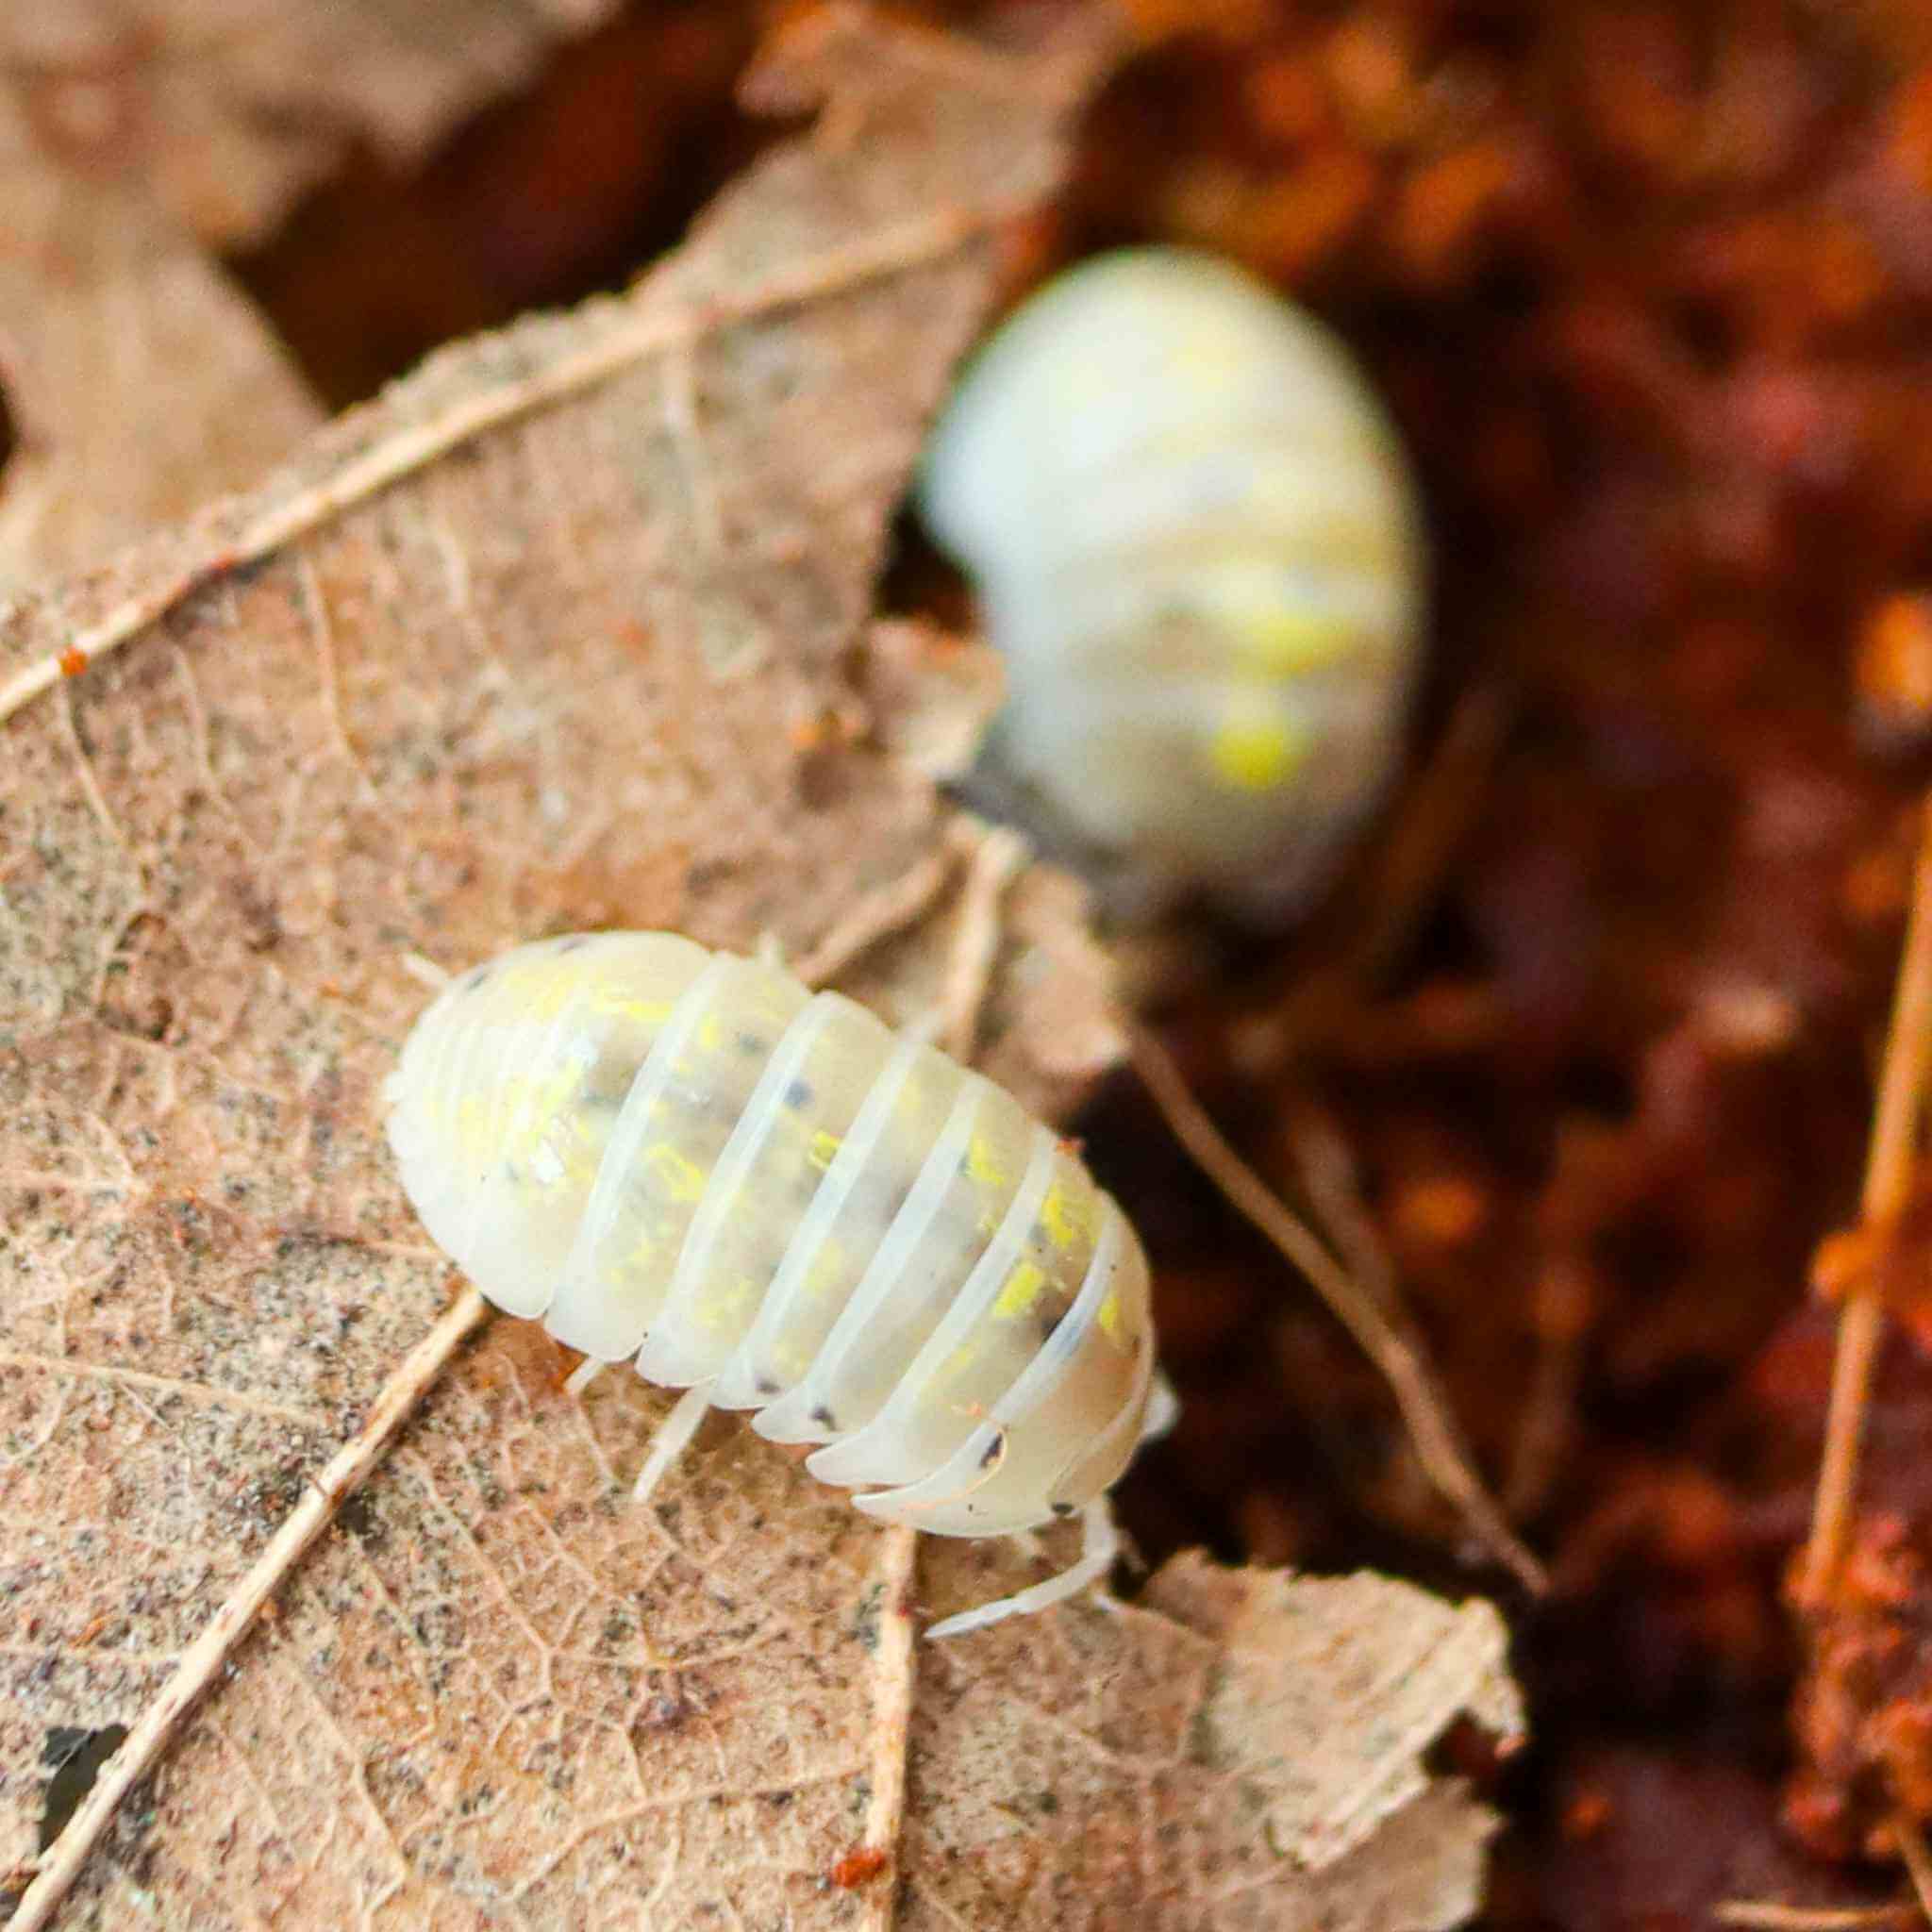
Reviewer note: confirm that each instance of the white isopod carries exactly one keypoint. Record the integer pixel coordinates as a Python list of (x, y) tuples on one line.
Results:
[(1198, 548), (767, 1198)]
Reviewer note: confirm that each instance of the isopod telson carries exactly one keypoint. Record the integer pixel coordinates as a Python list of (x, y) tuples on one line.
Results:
[(767, 1198), (1198, 550)]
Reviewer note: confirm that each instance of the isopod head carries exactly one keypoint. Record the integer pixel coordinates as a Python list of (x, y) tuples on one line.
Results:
[(1198, 548)]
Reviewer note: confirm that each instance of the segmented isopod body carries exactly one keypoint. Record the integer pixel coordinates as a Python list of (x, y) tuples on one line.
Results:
[(1197, 546), (769, 1198)]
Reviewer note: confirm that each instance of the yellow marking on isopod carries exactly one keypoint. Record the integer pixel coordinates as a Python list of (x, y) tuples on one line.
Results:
[(614, 1004), (535, 991), (983, 1165), (825, 1144), (711, 1033), (964, 1358), (1023, 1288), (566, 1156), (723, 1309), (475, 1117), (1067, 1217), (1112, 1319), (1250, 754), (1276, 641), (680, 1177), (533, 1102)]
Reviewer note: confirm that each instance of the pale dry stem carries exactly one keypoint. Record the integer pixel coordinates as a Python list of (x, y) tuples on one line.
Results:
[(1379, 1333), (1888, 1179), (895, 1660), (204, 1659), (880, 914), (1326, 1167), (1546, 1424), (1767, 1915), (1438, 813), (996, 854), (1918, 1862)]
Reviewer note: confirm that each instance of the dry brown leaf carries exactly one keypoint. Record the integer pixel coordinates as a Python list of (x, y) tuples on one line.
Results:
[(1239, 1751), (224, 111), (498, 1695), (573, 603), (498, 660), (1310, 1658), (138, 381), (503, 652)]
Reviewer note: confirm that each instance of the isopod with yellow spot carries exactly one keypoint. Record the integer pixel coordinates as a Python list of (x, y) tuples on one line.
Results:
[(767, 1198), (1198, 549)]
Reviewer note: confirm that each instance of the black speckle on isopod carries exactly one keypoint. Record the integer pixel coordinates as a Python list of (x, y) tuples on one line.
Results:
[(765, 1386), (799, 1094), (823, 1416), (1063, 1508)]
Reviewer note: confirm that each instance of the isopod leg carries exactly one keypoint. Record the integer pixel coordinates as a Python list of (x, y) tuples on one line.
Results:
[(1098, 1551), (584, 1375), (673, 1438), (426, 972), (1163, 1409)]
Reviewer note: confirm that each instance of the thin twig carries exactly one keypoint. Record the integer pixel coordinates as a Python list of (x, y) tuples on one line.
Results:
[(1888, 1180), (878, 915), (1326, 1167), (896, 1658), (1379, 1335), (1918, 1861), (997, 856), (1438, 813), (1766, 1915), (1328, 1173), (203, 1660), (1546, 1422)]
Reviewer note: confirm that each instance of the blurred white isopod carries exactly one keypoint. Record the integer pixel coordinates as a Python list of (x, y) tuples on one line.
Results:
[(1197, 545), (767, 1198)]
